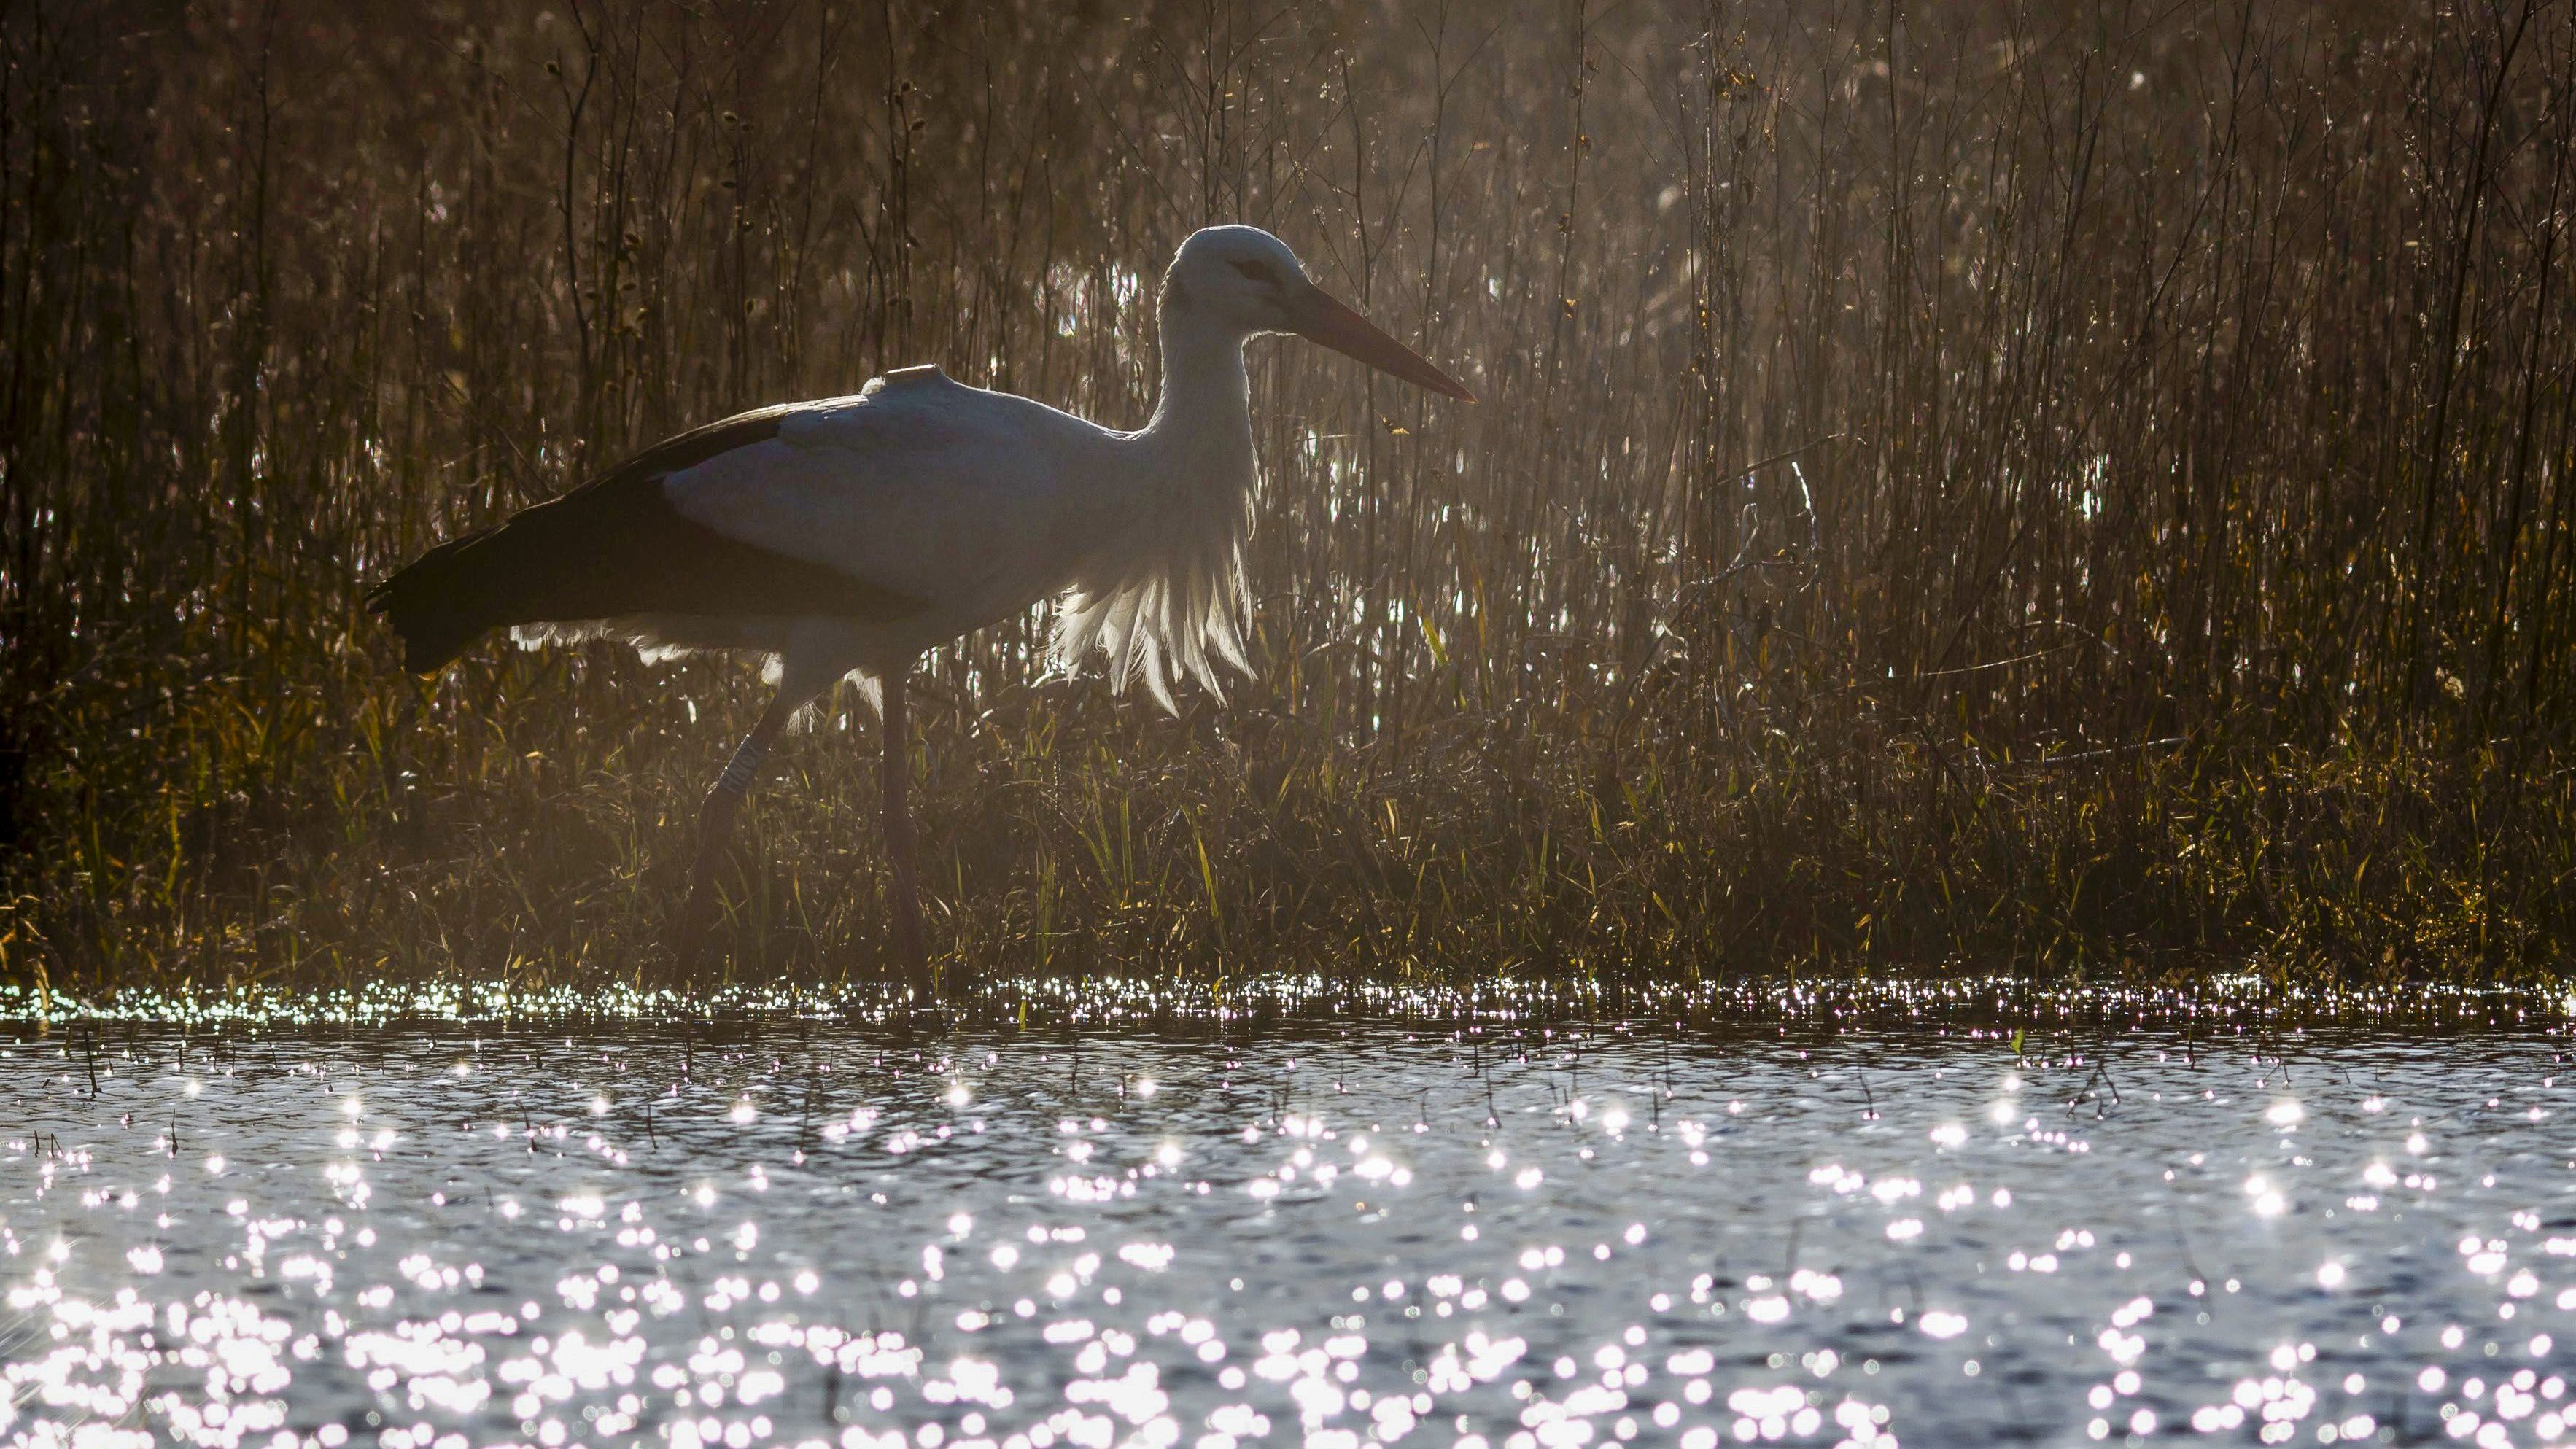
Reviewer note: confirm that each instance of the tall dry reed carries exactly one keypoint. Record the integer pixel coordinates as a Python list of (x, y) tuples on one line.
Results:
[(2075, 488)]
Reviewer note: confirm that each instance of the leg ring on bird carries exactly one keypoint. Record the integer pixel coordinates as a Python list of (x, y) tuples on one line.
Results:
[(743, 768)]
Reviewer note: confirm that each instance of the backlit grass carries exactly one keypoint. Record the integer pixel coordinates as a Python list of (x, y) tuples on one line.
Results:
[(2081, 492)]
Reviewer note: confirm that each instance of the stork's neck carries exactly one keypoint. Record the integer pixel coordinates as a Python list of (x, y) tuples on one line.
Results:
[(1201, 431)]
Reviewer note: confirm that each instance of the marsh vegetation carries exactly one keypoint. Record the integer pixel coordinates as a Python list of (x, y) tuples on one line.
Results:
[(2076, 489)]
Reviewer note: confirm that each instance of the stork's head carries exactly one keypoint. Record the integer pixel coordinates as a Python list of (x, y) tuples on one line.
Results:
[(1245, 280)]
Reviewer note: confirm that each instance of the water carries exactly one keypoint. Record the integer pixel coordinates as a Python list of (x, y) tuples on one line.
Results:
[(425, 1239)]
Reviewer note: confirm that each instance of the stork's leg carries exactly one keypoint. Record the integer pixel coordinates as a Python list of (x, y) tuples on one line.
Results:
[(894, 778), (715, 817)]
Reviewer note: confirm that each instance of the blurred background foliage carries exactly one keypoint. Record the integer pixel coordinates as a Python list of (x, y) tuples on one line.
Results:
[(2078, 489)]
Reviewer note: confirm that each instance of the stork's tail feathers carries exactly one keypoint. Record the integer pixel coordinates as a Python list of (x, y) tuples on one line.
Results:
[(444, 600)]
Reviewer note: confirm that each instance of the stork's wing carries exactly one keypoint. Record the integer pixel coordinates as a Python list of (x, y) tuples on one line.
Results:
[(616, 546), (925, 488)]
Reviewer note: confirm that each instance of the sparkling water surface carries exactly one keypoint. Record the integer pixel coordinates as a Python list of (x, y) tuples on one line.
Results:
[(1488, 1239)]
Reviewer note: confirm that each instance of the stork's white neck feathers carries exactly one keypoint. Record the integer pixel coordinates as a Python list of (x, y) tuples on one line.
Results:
[(1160, 586), (1206, 397), (1162, 590)]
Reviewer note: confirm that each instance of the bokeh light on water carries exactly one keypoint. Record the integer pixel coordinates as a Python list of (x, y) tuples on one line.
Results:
[(437, 1237)]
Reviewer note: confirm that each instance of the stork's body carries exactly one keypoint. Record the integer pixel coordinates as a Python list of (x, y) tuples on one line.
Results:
[(848, 535)]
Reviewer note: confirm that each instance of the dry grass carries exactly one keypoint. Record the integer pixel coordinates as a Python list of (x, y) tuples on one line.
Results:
[(2081, 489)]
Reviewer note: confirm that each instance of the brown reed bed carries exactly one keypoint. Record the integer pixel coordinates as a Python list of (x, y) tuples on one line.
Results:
[(2079, 490)]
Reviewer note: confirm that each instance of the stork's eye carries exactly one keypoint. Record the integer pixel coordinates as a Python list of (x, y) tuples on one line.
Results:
[(1256, 271)]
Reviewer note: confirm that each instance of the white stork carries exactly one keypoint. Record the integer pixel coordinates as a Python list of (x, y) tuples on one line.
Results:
[(843, 537)]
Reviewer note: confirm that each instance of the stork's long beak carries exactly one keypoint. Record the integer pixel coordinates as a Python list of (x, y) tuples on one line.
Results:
[(1320, 317)]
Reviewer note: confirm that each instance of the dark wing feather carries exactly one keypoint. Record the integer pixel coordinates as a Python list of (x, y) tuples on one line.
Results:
[(615, 546)]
